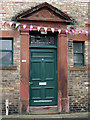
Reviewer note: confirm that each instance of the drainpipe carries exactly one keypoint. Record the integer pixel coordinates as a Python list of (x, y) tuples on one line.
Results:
[(7, 107)]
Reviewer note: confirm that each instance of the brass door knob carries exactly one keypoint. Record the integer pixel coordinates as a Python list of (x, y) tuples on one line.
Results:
[(42, 59)]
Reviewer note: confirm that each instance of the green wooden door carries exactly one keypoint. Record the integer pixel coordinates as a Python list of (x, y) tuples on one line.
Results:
[(43, 76)]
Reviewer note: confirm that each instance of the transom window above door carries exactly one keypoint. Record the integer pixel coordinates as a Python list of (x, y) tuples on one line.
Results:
[(39, 39)]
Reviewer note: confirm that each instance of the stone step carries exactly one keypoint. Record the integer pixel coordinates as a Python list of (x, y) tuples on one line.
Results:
[(45, 119), (43, 110)]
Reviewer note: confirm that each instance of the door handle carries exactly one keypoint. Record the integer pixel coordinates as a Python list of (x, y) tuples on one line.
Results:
[(42, 59), (30, 83)]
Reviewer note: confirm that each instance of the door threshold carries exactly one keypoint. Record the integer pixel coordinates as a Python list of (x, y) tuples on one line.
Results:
[(43, 110)]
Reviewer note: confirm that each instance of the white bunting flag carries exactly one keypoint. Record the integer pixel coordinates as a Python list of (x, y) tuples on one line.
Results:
[(17, 25), (86, 32), (45, 28), (31, 27), (10, 23), (3, 22), (66, 31), (59, 30), (73, 32), (38, 27), (24, 26), (52, 29)]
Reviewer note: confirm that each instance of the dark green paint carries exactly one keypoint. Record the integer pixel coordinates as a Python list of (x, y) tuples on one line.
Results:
[(43, 68)]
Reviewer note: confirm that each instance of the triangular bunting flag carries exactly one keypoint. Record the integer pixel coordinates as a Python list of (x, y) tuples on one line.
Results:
[(24, 26), (86, 32), (66, 31), (3, 22), (10, 23), (73, 31), (52, 29), (45, 28), (80, 31), (17, 25), (59, 30), (38, 27), (31, 27)]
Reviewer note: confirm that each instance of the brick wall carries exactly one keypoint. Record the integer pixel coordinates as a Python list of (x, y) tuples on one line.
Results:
[(77, 80), (11, 80)]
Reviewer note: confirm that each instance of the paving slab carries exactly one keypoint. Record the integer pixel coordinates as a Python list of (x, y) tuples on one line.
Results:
[(47, 119), (72, 116)]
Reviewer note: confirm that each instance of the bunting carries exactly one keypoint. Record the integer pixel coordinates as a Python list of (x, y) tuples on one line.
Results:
[(10, 23), (73, 32), (17, 25), (31, 27), (52, 29), (59, 30), (66, 31), (86, 32), (80, 31), (38, 28), (45, 28), (3, 22), (24, 26)]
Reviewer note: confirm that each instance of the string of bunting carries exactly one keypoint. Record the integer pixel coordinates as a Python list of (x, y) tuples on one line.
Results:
[(39, 27)]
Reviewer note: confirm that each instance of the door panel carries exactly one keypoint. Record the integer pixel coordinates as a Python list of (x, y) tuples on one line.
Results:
[(49, 93), (36, 71), (43, 69), (49, 65), (36, 93)]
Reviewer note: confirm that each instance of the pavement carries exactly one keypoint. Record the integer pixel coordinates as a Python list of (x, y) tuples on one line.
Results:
[(72, 116)]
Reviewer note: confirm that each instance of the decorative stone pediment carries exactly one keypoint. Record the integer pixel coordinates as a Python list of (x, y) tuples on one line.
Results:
[(44, 12)]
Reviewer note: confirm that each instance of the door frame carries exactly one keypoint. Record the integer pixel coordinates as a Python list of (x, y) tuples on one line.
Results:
[(45, 47), (63, 100)]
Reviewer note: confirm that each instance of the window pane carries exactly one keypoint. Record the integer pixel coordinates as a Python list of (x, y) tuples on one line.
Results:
[(42, 40), (32, 39), (77, 47), (6, 57), (78, 58), (5, 44), (51, 40)]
